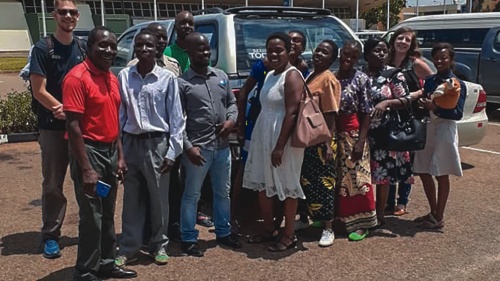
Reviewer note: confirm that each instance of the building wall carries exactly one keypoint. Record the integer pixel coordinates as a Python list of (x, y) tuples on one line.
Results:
[(169, 8)]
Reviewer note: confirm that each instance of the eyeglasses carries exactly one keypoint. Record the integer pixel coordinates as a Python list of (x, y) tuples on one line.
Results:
[(64, 12)]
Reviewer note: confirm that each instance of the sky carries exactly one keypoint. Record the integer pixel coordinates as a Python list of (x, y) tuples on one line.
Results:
[(412, 3)]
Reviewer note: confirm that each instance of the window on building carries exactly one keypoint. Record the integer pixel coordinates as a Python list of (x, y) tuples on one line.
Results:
[(341, 12), (118, 7)]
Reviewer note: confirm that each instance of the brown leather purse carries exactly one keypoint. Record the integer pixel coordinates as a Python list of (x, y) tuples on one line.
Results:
[(311, 128)]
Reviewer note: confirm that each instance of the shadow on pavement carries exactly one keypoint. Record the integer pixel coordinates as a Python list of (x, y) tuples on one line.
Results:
[(62, 274), (6, 157), (398, 227), (29, 243), (466, 166)]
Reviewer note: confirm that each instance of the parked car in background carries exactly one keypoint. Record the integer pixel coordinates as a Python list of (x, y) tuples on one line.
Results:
[(472, 36), (126, 43), (238, 35), (364, 35)]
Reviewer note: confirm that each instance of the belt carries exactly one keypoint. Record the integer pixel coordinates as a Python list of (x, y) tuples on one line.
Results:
[(148, 135), (100, 144)]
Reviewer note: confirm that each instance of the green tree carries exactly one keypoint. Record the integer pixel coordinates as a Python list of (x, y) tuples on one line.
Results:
[(379, 14)]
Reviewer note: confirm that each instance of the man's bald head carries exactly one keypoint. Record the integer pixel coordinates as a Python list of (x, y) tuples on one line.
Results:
[(161, 34), (198, 49), (184, 24)]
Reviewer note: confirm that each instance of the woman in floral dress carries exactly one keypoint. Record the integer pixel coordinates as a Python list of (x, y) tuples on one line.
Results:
[(388, 93), (356, 205)]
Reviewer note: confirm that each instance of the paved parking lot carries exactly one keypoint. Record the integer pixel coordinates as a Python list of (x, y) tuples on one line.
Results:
[(467, 249), (10, 82)]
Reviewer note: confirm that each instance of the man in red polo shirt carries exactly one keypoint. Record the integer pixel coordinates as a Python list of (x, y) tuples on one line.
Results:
[(91, 102)]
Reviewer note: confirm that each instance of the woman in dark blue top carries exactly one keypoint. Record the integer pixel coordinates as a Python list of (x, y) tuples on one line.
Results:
[(440, 158)]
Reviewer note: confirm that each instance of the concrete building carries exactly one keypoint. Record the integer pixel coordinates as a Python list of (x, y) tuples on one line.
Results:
[(143, 9)]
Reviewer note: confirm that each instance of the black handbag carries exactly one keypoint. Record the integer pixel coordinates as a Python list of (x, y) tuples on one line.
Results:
[(405, 133)]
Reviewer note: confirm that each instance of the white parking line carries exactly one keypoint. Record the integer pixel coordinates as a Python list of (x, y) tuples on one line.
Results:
[(481, 150), (494, 124)]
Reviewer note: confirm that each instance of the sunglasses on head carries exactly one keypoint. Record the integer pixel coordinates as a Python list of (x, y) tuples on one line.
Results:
[(63, 12)]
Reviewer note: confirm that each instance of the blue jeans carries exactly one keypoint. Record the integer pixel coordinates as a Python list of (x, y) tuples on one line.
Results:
[(218, 164), (403, 195)]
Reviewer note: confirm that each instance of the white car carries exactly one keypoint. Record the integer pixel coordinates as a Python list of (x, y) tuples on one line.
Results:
[(472, 126)]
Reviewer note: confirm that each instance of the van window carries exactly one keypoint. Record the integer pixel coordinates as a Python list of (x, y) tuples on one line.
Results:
[(458, 38), (251, 35), (496, 43), (210, 31), (123, 46)]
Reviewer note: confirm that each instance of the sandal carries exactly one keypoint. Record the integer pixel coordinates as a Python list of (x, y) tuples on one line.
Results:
[(400, 210), (281, 246), (423, 218), (354, 236), (432, 223), (261, 238)]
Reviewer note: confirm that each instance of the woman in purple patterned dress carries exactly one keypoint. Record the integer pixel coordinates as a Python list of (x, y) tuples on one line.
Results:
[(356, 206)]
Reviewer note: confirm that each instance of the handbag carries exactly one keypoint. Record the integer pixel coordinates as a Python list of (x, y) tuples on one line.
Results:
[(407, 134), (311, 128)]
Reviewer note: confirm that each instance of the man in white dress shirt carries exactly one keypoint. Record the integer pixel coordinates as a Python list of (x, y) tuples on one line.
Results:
[(152, 123)]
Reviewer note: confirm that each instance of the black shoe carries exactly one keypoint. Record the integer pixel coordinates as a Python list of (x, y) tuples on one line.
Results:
[(174, 232), (118, 273), (192, 249), (229, 241)]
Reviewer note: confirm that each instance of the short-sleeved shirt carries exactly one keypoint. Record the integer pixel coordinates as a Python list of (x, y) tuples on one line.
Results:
[(178, 53), (95, 94), (356, 94), (53, 68), (432, 82), (326, 87), (207, 102)]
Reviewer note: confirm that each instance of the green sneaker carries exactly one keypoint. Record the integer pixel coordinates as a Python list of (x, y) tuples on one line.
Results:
[(120, 261), (161, 257)]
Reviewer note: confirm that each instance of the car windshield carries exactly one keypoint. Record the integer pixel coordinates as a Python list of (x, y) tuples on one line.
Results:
[(251, 35)]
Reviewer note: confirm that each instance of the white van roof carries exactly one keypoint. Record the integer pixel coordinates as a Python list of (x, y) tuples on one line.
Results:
[(452, 21)]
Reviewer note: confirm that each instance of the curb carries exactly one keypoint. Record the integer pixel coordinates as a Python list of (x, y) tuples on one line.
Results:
[(18, 137)]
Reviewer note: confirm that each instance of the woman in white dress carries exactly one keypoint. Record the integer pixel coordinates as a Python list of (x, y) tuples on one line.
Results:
[(273, 166), (440, 158)]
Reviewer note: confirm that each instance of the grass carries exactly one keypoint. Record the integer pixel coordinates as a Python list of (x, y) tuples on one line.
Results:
[(12, 64)]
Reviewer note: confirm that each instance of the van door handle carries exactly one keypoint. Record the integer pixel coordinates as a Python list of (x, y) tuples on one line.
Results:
[(491, 59)]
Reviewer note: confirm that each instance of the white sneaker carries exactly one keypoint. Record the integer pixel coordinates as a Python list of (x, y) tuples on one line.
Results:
[(299, 224), (327, 238)]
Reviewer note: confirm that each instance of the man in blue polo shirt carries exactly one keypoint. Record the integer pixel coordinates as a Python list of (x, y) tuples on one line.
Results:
[(48, 66)]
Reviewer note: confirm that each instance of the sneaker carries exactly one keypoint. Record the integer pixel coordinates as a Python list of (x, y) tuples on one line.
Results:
[(299, 224), (327, 238), (51, 249), (161, 257), (121, 261)]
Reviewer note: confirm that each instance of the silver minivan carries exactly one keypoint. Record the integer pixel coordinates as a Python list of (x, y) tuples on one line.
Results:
[(238, 35)]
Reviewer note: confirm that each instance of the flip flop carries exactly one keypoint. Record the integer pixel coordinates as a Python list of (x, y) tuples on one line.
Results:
[(354, 236), (399, 211)]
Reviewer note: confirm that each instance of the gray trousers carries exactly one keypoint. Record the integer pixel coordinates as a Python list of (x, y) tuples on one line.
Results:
[(55, 159), (144, 184), (96, 231)]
